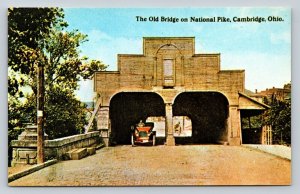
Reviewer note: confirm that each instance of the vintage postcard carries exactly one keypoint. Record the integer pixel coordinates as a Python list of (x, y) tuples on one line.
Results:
[(149, 96)]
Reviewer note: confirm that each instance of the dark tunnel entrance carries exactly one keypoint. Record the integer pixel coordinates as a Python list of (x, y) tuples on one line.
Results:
[(208, 112), (128, 108)]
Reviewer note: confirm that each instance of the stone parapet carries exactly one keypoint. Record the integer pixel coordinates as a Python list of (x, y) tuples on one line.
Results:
[(24, 151)]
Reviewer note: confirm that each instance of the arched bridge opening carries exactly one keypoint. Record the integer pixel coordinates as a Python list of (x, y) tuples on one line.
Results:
[(208, 112), (128, 108)]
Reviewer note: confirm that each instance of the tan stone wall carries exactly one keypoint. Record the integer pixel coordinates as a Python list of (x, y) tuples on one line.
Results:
[(185, 44), (192, 72), (24, 151)]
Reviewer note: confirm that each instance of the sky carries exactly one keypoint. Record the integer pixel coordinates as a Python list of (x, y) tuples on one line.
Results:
[(262, 49)]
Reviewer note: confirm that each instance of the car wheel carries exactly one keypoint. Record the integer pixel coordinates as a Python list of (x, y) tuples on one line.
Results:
[(154, 140)]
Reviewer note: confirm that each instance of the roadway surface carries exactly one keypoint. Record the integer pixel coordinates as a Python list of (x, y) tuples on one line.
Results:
[(166, 165)]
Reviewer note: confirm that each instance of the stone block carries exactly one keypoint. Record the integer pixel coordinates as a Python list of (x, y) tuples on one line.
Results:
[(77, 154), (27, 154), (68, 154), (91, 151)]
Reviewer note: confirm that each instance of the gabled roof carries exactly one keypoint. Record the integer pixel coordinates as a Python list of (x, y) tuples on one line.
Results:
[(248, 103)]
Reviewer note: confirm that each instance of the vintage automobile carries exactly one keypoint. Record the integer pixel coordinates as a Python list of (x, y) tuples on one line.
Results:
[(143, 134)]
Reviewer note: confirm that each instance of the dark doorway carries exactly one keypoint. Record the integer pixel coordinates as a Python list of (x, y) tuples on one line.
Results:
[(208, 112), (128, 108), (251, 122), (251, 135)]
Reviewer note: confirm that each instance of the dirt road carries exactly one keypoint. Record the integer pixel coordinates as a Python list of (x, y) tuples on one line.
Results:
[(166, 165)]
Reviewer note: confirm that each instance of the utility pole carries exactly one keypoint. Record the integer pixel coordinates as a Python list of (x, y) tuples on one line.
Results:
[(40, 114)]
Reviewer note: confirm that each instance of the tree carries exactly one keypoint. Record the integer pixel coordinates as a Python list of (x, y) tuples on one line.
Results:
[(38, 36), (57, 50), (279, 116), (27, 30)]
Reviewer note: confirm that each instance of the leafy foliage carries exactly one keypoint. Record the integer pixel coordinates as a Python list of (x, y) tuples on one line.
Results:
[(64, 113), (38, 36), (255, 122), (27, 30), (279, 116)]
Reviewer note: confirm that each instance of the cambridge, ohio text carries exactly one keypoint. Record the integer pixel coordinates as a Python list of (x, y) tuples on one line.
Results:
[(257, 19)]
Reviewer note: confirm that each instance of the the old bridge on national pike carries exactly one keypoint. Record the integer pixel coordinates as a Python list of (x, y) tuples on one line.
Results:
[(169, 84)]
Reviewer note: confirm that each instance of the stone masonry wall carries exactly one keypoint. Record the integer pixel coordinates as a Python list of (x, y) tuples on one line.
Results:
[(24, 151), (191, 73)]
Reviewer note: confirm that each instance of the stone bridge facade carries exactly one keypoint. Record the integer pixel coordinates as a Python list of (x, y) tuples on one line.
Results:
[(169, 68)]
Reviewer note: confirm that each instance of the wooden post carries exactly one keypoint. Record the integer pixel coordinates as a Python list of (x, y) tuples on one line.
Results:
[(271, 135), (40, 114)]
